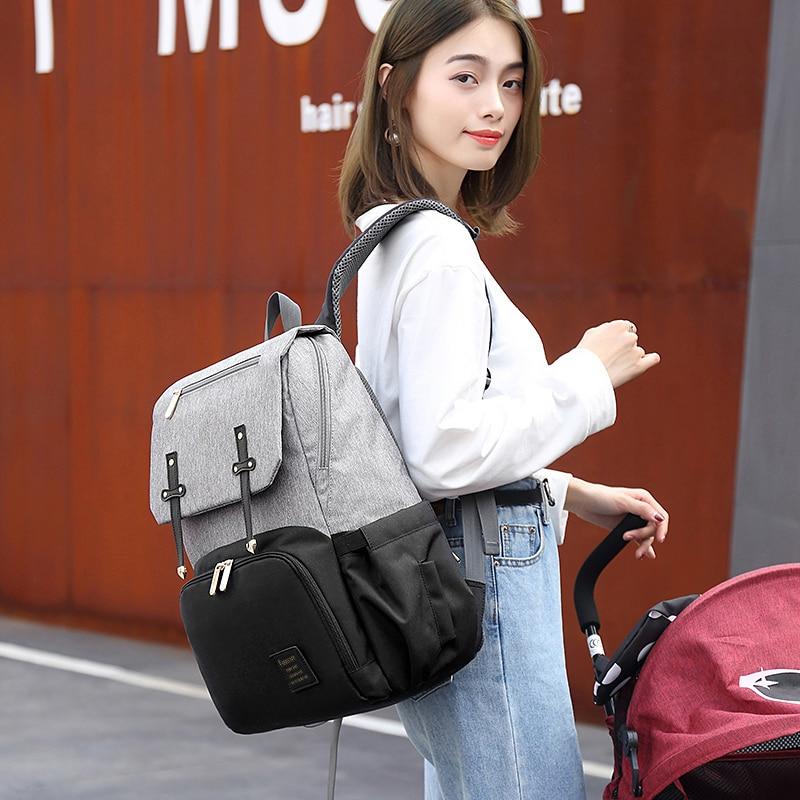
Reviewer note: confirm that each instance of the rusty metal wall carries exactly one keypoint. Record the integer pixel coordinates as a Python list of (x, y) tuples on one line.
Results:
[(151, 203)]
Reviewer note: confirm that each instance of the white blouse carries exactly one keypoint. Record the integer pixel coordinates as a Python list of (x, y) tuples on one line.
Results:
[(423, 346)]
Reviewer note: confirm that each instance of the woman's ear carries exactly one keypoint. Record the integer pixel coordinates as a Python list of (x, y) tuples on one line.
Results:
[(383, 74)]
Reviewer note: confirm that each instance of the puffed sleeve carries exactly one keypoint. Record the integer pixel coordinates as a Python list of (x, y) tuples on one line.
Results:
[(455, 440)]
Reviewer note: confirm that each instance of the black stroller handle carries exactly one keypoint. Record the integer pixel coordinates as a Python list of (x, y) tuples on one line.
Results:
[(595, 563)]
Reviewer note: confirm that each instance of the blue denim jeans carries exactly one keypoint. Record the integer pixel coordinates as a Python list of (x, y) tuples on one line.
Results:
[(502, 728)]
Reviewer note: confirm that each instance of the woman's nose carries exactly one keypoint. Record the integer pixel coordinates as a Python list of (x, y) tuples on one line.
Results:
[(492, 102)]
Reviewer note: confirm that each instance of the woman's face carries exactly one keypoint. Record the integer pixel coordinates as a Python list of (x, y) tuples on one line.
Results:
[(452, 96)]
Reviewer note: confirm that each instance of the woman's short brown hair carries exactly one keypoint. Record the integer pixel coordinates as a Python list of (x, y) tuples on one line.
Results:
[(373, 172)]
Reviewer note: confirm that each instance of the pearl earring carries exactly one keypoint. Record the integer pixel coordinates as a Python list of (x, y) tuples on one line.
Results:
[(392, 136)]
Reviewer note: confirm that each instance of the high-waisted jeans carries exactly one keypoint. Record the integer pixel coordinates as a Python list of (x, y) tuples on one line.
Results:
[(503, 727)]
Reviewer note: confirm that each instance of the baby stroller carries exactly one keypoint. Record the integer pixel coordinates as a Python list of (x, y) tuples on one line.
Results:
[(702, 698)]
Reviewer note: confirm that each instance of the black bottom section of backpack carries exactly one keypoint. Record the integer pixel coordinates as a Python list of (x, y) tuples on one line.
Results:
[(310, 627)]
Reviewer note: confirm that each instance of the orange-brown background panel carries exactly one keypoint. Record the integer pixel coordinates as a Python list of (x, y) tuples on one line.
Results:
[(152, 203)]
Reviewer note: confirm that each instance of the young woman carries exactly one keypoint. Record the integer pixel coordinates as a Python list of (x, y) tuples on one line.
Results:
[(451, 112)]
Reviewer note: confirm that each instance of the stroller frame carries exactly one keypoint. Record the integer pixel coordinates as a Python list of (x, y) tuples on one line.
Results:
[(692, 710)]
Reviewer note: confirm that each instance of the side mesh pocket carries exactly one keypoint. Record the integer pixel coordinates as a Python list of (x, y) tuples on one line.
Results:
[(408, 592)]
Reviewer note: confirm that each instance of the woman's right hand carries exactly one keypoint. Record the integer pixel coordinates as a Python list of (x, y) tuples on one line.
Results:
[(616, 346)]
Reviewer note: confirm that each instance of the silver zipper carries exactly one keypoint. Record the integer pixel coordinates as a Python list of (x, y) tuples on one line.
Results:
[(215, 578), (190, 387), (172, 403), (227, 566), (324, 400), (219, 580)]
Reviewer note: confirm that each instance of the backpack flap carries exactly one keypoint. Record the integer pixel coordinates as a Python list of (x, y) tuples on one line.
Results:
[(217, 435)]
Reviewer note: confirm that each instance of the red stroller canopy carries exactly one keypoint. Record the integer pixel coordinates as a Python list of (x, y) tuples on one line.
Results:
[(724, 675)]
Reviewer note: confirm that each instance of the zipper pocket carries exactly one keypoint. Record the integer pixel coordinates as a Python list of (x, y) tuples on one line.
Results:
[(224, 568), (323, 460), (322, 604), (190, 387)]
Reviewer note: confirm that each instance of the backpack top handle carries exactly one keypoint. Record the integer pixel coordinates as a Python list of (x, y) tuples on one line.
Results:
[(357, 252), (281, 305)]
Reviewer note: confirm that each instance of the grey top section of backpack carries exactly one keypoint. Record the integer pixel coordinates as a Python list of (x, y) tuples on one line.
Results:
[(325, 456)]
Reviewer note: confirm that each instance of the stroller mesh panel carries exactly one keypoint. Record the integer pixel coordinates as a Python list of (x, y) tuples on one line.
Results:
[(790, 742), (766, 778)]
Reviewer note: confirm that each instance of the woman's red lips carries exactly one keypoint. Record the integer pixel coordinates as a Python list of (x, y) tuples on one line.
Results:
[(488, 138), (486, 132)]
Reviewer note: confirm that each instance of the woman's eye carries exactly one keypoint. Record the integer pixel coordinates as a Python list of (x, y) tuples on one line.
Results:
[(467, 75)]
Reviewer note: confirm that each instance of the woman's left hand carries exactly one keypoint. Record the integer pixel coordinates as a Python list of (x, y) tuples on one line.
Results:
[(607, 506)]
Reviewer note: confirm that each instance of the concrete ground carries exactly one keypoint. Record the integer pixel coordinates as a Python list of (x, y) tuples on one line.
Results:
[(87, 716)]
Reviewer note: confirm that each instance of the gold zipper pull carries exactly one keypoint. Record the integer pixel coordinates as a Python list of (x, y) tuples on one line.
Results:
[(215, 577), (226, 573), (173, 403), (251, 545)]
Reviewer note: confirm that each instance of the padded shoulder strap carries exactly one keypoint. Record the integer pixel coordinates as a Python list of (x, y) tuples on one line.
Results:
[(357, 252)]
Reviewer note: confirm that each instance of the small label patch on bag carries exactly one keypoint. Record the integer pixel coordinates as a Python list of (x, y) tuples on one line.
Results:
[(295, 668)]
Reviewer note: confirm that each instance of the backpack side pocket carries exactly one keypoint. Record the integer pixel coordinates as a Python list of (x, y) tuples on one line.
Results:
[(414, 605)]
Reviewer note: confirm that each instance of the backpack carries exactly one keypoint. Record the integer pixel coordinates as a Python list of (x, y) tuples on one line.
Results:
[(324, 584)]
